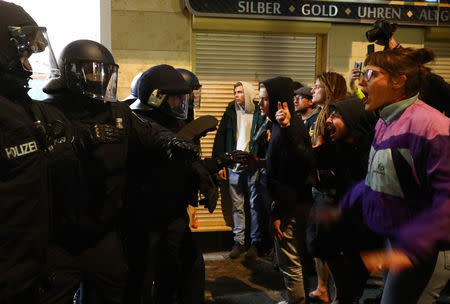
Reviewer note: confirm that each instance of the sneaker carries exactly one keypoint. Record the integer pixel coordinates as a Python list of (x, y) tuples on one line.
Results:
[(252, 252), (237, 250)]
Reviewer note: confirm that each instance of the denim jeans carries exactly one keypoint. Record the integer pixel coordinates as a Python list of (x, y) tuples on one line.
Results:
[(407, 286), (240, 184), (289, 261)]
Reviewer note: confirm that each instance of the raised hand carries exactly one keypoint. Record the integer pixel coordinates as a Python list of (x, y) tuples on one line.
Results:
[(283, 115)]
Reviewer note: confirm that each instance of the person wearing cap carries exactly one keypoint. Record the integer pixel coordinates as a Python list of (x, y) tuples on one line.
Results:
[(305, 108)]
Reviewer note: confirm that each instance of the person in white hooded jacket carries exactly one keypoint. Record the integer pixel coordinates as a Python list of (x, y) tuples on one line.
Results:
[(240, 121)]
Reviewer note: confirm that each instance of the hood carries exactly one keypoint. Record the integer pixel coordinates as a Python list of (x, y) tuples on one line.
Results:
[(249, 94), (279, 89), (354, 116)]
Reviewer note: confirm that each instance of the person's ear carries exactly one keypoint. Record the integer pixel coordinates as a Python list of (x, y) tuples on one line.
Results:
[(399, 81)]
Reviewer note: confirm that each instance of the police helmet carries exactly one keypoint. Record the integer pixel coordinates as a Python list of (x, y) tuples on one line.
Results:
[(25, 50), (133, 90), (195, 85), (163, 84), (88, 68)]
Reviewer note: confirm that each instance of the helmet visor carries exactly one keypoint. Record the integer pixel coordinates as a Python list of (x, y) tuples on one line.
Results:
[(197, 97), (35, 51), (180, 106), (95, 79)]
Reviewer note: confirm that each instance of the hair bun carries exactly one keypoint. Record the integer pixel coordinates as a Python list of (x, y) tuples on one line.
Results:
[(423, 55)]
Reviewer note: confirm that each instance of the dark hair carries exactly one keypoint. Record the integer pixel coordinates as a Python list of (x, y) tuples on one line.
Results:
[(409, 62)]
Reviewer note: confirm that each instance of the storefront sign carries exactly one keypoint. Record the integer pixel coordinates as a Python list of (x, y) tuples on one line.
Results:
[(427, 13)]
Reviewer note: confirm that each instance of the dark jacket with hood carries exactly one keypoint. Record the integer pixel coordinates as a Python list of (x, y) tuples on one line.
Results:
[(348, 160), (226, 139), (289, 157)]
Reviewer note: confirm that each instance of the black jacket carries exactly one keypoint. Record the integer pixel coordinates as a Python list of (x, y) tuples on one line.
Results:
[(289, 157), (166, 187), (348, 161), (94, 190), (24, 216)]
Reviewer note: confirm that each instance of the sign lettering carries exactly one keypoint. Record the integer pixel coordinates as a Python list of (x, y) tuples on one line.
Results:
[(423, 13)]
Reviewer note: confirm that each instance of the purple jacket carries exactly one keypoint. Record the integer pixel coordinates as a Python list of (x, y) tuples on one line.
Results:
[(406, 193)]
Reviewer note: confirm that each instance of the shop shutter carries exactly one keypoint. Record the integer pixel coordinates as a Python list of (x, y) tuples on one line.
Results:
[(222, 59), (441, 64)]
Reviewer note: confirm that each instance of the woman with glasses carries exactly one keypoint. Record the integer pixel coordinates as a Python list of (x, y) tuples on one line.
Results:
[(405, 196)]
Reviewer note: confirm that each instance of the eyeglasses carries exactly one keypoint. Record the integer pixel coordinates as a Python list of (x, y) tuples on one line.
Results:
[(299, 97), (367, 74)]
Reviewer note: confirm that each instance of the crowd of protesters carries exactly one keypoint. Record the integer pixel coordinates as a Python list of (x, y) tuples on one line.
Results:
[(360, 180)]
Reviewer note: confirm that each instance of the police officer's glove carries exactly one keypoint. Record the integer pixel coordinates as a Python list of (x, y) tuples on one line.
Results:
[(232, 158), (181, 149), (206, 185), (86, 137), (104, 133), (210, 199)]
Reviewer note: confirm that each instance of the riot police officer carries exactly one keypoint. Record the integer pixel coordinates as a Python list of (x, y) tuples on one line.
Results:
[(86, 244), (164, 96), (24, 185)]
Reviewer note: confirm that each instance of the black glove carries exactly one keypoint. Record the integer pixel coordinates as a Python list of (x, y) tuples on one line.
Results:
[(178, 148), (104, 133), (210, 199), (86, 137), (206, 185), (232, 158)]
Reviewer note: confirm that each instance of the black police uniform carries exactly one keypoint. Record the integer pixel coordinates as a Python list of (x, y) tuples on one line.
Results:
[(24, 184), (171, 259), (23, 189), (87, 246)]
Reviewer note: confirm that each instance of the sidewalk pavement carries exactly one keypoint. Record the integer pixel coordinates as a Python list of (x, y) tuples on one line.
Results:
[(241, 281)]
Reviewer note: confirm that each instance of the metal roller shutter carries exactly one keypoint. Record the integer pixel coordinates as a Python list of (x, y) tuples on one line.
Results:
[(222, 59), (441, 64)]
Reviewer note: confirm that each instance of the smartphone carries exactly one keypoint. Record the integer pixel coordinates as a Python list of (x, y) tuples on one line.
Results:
[(358, 65)]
